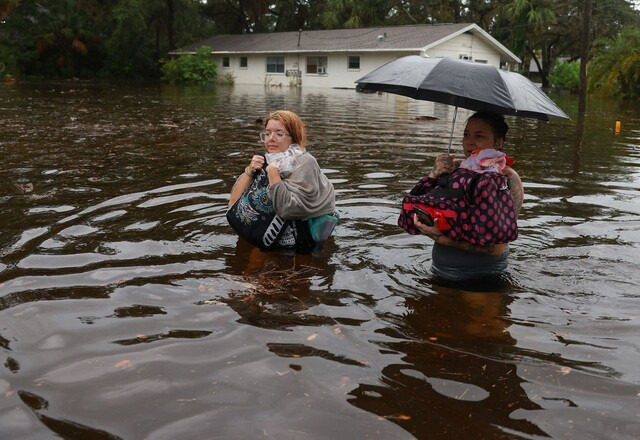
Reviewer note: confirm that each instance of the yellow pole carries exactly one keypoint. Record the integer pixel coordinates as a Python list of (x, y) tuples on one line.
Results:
[(618, 126)]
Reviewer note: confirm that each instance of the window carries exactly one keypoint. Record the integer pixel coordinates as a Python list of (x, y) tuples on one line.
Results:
[(353, 63), (275, 64), (481, 61), (317, 65), (464, 56), (225, 61), (243, 62)]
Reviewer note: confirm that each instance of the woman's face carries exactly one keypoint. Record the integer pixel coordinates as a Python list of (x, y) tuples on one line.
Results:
[(478, 135), (278, 138)]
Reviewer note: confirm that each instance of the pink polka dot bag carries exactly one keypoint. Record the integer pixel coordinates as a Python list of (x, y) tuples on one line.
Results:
[(477, 207)]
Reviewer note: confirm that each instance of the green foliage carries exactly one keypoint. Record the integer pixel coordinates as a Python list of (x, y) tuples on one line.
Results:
[(545, 30), (615, 67), (190, 68), (87, 38), (130, 54), (354, 13), (51, 38), (566, 75)]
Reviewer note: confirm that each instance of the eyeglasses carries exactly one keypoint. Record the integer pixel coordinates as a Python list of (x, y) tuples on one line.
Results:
[(267, 134)]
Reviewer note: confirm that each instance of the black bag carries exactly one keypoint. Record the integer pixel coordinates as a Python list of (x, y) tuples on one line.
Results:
[(253, 217)]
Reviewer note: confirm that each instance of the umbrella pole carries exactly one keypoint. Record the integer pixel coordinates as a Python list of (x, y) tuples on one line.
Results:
[(455, 114)]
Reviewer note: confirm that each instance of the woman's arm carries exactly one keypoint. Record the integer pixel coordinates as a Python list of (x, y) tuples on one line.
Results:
[(516, 188), (436, 235), (241, 184)]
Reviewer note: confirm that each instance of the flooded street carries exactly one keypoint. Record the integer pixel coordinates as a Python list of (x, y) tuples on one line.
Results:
[(129, 309)]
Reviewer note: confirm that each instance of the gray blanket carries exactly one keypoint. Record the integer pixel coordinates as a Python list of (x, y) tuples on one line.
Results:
[(305, 193)]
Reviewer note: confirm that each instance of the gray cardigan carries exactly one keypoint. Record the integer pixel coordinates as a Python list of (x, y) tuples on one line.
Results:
[(305, 193)]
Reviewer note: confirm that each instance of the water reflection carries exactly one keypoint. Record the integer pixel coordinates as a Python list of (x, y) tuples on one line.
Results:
[(455, 368)]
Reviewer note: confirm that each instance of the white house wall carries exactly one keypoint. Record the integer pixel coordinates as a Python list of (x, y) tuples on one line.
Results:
[(338, 75), (466, 45)]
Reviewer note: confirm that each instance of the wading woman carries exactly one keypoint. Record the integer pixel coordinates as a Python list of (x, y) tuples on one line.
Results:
[(282, 199), (483, 214)]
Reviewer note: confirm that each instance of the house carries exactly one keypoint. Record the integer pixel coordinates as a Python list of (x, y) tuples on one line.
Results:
[(337, 58)]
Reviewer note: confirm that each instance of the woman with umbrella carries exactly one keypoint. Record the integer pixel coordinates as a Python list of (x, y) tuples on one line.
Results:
[(478, 87), (460, 257)]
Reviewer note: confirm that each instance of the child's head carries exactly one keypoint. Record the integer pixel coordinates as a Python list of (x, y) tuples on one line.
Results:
[(484, 130)]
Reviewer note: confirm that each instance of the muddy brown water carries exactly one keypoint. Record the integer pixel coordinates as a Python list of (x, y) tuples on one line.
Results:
[(130, 310)]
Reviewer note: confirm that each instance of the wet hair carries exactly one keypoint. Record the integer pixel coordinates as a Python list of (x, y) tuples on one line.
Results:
[(292, 123), (498, 126)]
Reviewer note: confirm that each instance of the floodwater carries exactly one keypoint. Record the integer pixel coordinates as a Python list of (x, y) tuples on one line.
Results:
[(130, 310)]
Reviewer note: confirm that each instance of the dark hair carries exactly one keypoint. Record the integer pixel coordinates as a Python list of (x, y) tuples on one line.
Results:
[(496, 121)]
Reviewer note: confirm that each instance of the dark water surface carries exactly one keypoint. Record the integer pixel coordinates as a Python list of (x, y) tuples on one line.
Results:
[(129, 309)]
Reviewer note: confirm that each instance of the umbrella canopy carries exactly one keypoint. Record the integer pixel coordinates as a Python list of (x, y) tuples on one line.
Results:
[(474, 86)]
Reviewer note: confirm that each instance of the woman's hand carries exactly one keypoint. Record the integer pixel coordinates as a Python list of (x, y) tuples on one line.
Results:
[(430, 231), (257, 162), (444, 164)]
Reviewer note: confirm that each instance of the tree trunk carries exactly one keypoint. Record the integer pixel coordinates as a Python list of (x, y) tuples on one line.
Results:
[(584, 56), (534, 57), (171, 15), (547, 64)]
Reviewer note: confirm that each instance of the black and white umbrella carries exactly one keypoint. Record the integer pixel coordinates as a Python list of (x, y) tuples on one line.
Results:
[(474, 86)]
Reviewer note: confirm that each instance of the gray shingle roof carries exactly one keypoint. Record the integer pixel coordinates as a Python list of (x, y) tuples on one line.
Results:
[(375, 39), (397, 38)]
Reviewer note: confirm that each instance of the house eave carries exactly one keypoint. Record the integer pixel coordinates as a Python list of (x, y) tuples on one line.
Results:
[(301, 51)]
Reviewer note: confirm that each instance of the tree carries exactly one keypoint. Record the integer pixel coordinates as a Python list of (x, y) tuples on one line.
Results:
[(615, 67), (544, 30), (129, 48), (237, 16), (52, 38), (354, 13), (531, 23), (144, 31)]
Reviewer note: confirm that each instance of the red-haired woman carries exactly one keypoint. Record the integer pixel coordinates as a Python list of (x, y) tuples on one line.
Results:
[(288, 178)]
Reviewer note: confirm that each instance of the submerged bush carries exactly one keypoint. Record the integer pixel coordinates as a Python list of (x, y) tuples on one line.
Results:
[(190, 68), (228, 79)]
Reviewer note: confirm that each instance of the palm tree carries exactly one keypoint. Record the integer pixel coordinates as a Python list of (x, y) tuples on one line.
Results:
[(615, 67)]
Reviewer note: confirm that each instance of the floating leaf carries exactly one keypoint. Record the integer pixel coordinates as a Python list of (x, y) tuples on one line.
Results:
[(398, 417), (123, 364)]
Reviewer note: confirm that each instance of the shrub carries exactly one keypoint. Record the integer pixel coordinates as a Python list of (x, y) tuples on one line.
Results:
[(566, 75), (191, 68), (227, 79)]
